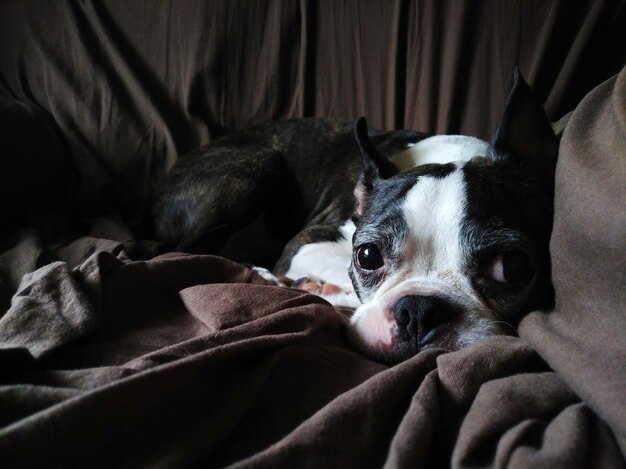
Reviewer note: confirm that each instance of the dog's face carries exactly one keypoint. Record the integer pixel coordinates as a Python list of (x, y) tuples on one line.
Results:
[(446, 254)]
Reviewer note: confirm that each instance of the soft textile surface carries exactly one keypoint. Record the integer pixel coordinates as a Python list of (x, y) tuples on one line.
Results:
[(184, 360), (585, 338), (134, 86), (112, 357)]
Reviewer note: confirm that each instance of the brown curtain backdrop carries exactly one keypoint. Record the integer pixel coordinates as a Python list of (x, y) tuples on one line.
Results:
[(193, 361), (133, 85)]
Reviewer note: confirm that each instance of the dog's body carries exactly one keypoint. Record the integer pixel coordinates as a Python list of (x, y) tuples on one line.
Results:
[(440, 254)]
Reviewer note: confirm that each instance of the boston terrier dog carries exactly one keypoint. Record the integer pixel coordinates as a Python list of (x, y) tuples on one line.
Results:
[(434, 241)]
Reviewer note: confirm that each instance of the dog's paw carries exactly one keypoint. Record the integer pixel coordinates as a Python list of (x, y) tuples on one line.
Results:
[(318, 288), (267, 275), (332, 293)]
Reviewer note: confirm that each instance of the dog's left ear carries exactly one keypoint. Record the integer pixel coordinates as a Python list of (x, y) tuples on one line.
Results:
[(525, 133), (375, 165)]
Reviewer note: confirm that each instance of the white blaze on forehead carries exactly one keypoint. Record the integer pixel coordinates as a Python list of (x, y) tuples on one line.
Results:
[(431, 260), (433, 211), (431, 254), (441, 149)]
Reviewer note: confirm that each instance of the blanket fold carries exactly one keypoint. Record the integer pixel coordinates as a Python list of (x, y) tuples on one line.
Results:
[(197, 360), (584, 339)]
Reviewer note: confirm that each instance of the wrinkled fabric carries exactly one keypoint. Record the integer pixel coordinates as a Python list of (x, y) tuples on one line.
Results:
[(187, 360), (134, 87), (114, 356), (584, 339)]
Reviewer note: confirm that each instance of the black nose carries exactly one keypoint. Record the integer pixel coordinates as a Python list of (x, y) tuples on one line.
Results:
[(419, 315)]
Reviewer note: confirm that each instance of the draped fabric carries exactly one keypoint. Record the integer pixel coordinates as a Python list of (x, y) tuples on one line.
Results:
[(133, 87), (114, 356)]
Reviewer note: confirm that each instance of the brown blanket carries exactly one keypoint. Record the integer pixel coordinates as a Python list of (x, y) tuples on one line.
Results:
[(112, 357), (186, 360), (106, 365)]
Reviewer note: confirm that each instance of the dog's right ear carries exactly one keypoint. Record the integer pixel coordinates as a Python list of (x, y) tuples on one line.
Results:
[(525, 134), (375, 165)]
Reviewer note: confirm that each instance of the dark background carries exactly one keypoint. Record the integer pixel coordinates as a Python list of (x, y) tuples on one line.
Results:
[(99, 99)]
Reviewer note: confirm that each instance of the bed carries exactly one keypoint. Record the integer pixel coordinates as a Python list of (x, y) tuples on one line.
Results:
[(114, 353)]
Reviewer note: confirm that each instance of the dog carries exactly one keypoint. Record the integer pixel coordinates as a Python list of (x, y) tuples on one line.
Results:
[(435, 241)]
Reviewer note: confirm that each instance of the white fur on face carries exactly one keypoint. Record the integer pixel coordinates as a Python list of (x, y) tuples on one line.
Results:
[(432, 264)]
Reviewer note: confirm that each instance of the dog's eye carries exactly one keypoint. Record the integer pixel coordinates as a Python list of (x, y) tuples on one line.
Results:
[(510, 267), (368, 257)]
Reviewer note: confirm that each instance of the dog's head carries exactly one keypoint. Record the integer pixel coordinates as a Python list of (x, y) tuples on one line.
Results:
[(447, 253)]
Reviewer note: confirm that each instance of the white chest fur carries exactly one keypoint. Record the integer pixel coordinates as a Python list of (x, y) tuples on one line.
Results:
[(328, 262)]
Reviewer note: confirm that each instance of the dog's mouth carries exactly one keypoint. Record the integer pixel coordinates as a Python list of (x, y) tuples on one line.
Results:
[(442, 336), (403, 347), (390, 342)]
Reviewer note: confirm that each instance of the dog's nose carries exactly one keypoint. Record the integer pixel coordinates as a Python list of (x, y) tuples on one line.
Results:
[(419, 315)]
